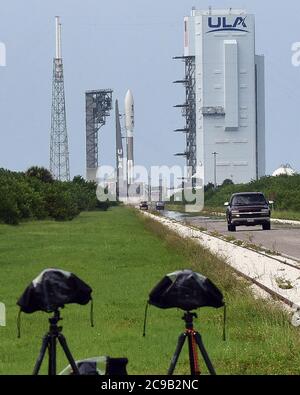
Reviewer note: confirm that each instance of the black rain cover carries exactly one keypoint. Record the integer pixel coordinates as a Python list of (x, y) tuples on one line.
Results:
[(186, 290), (53, 289), (99, 366)]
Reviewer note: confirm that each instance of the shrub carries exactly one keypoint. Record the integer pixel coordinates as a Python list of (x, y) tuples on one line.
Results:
[(284, 190), (9, 212), (40, 173), (60, 203), (227, 182), (35, 194)]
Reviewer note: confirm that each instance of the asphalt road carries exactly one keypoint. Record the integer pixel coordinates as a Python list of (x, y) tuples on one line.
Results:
[(284, 239)]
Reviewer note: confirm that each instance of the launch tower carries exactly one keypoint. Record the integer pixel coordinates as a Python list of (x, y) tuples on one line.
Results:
[(98, 106)]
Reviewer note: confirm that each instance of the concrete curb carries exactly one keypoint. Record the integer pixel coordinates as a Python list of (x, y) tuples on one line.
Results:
[(285, 221)]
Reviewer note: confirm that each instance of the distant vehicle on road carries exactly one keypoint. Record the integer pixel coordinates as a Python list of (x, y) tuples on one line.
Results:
[(160, 206), (144, 206), (248, 209)]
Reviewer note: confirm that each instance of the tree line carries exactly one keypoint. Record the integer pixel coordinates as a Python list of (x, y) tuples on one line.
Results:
[(283, 190), (34, 194)]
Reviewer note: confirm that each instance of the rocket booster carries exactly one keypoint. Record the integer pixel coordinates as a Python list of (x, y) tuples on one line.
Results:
[(129, 126), (119, 156)]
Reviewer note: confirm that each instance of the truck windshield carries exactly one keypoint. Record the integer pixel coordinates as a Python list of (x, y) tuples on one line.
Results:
[(248, 200)]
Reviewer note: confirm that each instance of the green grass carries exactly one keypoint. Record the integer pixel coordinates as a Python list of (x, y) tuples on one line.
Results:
[(122, 256), (290, 215), (176, 207)]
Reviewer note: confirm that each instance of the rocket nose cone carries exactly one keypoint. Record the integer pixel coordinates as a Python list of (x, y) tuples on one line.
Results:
[(129, 97)]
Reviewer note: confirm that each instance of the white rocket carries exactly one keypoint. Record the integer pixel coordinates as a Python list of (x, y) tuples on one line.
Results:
[(129, 126)]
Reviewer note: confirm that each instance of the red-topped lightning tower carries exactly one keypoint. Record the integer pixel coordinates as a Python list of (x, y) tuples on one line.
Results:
[(59, 150)]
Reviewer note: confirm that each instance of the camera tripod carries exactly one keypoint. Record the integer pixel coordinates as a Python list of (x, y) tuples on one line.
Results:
[(49, 342), (194, 340)]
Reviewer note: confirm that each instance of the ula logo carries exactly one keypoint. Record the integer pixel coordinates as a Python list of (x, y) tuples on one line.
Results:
[(120, 158), (221, 24)]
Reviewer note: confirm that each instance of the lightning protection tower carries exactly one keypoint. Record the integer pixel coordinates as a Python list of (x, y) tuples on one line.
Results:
[(59, 151)]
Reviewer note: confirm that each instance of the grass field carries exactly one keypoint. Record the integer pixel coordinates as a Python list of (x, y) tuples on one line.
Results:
[(291, 215), (122, 257)]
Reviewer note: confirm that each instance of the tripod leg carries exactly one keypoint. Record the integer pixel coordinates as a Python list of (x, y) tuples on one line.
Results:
[(180, 344), (204, 354), (52, 356), (41, 355), (193, 355), (63, 343)]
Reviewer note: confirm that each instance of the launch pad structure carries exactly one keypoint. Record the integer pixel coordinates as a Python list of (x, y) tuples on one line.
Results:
[(98, 107), (189, 113)]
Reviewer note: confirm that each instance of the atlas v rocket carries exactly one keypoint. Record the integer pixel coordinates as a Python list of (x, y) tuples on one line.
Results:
[(129, 126), (125, 165)]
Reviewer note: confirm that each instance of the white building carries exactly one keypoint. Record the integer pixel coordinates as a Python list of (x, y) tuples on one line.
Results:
[(285, 170), (230, 97)]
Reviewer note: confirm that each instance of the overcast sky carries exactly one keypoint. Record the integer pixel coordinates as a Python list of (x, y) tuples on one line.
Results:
[(123, 44)]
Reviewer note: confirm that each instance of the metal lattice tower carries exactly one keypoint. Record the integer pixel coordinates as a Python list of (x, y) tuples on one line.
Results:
[(98, 107), (189, 113), (59, 149)]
